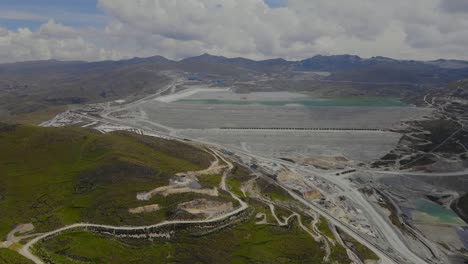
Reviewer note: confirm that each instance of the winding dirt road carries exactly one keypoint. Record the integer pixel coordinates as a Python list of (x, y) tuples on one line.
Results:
[(26, 249)]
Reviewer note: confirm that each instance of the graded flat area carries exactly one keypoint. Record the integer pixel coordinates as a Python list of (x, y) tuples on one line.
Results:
[(203, 95), (353, 145), (202, 116), (368, 101), (202, 107), (199, 112)]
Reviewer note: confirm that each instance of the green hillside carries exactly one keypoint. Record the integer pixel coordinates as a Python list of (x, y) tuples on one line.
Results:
[(11, 257), (56, 176), (242, 243)]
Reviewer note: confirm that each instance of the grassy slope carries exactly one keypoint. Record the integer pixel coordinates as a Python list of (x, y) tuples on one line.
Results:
[(244, 243), (338, 252), (11, 257), (237, 177), (362, 252), (272, 191), (54, 177), (33, 118), (275, 193)]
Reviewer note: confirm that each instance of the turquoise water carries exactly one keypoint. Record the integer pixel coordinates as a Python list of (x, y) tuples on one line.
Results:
[(440, 214), (353, 101)]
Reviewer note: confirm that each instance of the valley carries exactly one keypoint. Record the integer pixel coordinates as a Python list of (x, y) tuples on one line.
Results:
[(341, 179), (233, 132)]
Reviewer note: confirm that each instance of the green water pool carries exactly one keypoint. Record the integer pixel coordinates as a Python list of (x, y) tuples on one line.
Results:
[(352, 101), (432, 213)]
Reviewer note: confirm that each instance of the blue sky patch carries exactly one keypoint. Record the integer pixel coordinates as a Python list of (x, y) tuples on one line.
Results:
[(32, 13), (276, 3)]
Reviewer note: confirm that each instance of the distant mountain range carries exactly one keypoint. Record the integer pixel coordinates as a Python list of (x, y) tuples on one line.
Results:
[(324, 63), (27, 87), (354, 68), (342, 67)]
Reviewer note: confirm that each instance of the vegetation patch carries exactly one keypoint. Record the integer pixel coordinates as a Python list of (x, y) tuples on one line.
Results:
[(191, 153), (272, 191), (245, 242), (239, 175), (209, 180), (359, 249), (57, 176), (322, 225), (8, 256), (39, 115)]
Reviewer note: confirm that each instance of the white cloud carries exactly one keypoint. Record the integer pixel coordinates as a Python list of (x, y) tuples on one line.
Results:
[(417, 29), (50, 41)]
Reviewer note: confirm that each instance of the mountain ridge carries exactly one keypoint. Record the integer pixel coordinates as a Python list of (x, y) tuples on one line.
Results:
[(209, 58), (29, 87)]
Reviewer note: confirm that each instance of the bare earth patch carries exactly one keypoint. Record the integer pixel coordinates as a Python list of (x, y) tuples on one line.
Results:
[(185, 182), (326, 162), (144, 209), (312, 195), (206, 207), (286, 176), (12, 238), (170, 190)]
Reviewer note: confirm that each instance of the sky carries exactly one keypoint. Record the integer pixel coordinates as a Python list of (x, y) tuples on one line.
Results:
[(95, 30)]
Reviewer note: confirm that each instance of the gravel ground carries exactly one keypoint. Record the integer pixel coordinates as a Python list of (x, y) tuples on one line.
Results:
[(200, 116), (358, 146)]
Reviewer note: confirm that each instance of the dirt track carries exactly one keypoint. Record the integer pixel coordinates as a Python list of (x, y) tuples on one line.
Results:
[(26, 252)]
